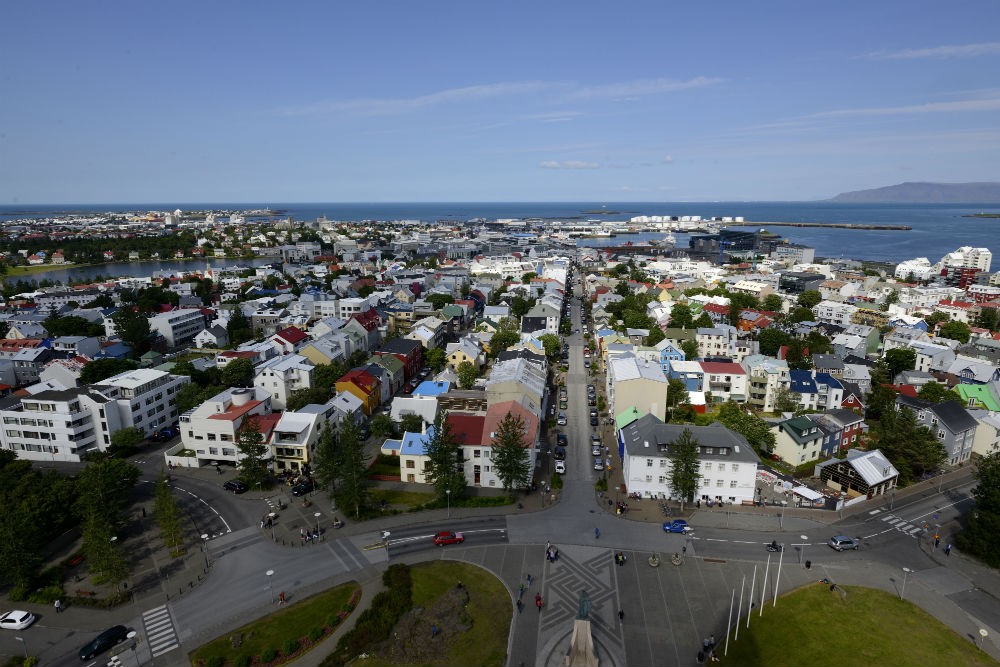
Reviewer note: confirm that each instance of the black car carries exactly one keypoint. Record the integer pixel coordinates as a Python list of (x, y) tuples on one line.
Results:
[(559, 454), (104, 641), (561, 439), (593, 420), (303, 487), (236, 486)]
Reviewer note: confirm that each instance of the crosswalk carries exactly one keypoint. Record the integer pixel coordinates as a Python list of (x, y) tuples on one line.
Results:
[(902, 525), (160, 632)]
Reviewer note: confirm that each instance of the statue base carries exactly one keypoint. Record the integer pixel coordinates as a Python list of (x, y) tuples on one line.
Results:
[(581, 647)]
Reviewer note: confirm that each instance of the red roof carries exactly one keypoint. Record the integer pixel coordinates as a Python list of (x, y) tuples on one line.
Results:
[(368, 319), (292, 335), (468, 429), (717, 308), (495, 414), (235, 411), (722, 368)]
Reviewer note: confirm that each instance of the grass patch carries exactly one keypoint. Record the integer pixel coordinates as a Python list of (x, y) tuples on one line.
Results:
[(816, 627), (408, 499), (485, 643), (280, 630), (384, 464)]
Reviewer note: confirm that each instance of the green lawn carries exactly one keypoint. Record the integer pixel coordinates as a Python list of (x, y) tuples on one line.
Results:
[(295, 621), (814, 627), (399, 499), (485, 643)]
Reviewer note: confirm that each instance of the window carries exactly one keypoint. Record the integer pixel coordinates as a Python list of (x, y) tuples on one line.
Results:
[(732, 484), (663, 463), (476, 453), (940, 435), (719, 483), (649, 463), (649, 479), (735, 467), (710, 450), (410, 464)]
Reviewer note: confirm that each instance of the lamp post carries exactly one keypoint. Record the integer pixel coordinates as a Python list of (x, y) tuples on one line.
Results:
[(131, 636), (270, 573), (447, 494), (23, 645), (902, 591), (802, 548), (317, 515), (204, 537)]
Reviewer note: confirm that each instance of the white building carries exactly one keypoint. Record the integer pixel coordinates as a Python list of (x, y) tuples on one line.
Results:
[(969, 258), (281, 376), (728, 463), (178, 327), (211, 428), (145, 398), (919, 268)]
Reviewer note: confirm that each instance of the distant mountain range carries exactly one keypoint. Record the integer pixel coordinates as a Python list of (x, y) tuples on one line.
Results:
[(926, 193)]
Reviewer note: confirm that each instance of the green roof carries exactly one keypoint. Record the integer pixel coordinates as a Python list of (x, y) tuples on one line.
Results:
[(627, 417), (980, 394)]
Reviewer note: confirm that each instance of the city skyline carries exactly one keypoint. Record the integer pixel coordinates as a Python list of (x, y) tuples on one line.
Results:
[(528, 102)]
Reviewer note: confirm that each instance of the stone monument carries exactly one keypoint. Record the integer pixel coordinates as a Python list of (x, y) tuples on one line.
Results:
[(581, 644)]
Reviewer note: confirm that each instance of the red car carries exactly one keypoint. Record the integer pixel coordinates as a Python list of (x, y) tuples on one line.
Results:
[(448, 537)]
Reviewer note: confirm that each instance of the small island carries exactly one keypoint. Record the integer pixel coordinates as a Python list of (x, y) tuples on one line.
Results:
[(982, 215)]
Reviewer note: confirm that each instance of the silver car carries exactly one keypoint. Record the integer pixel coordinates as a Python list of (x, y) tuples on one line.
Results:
[(844, 543)]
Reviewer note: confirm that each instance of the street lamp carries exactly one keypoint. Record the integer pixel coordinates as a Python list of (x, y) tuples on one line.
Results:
[(902, 591), (447, 494), (802, 547), (317, 515), (204, 536), (270, 573), (131, 635)]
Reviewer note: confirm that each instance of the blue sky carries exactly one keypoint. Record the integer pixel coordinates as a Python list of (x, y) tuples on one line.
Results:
[(221, 101)]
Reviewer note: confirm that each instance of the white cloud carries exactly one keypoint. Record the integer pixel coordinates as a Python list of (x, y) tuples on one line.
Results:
[(668, 159), (958, 106), (950, 51), (641, 87), (568, 164)]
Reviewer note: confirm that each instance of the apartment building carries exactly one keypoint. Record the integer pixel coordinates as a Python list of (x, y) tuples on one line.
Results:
[(178, 327), (211, 428), (282, 376)]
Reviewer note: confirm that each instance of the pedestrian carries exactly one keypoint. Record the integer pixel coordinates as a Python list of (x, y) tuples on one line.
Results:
[(705, 643), (597, 533), (621, 615), (711, 641), (937, 541), (947, 550), (58, 606), (538, 601), (218, 470), (281, 598), (520, 606), (548, 545), (302, 535), (701, 657), (520, 593), (529, 579), (143, 512), (434, 631)]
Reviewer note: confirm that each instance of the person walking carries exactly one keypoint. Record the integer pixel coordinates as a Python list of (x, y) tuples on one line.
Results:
[(520, 606), (58, 606), (520, 593), (529, 579), (597, 533), (538, 601), (947, 550), (621, 615), (281, 598)]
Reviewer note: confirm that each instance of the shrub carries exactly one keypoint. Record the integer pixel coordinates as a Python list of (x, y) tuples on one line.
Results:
[(46, 595), (269, 655), (314, 635), (243, 661), (333, 620), (216, 661), (290, 646), (30, 661)]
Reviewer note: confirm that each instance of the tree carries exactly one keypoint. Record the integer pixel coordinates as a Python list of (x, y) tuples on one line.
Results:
[(467, 374), (936, 318), (677, 393), (685, 468), (101, 369), (253, 452), (104, 488), (690, 349), (238, 373), (881, 397), (501, 340), (680, 316), (738, 302), (439, 301), (436, 359), (238, 328), (325, 458), (955, 330), (382, 426), (124, 441), (988, 319), (352, 472), (771, 340), (412, 423), (772, 303), (551, 343), (809, 299), (786, 400), (511, 460), (71, 325), (527, 277), (800, 314), (797, 355), (981, 535), (655, 336), (909, 446), (703, 322), (900, 359), (132, 327), (756, 431), (100, 545), (168, 517), (936, 392), (444, 469)]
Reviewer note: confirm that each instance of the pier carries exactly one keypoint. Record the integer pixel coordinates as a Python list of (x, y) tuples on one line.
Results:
[(831, 225)]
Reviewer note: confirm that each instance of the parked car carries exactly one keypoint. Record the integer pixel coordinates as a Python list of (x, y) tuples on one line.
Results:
[(562, 419), (844, 543), (561, 467), (102, 642), (16, 620), (677, 526), (598, 463), (303, 487), (593, 419), (561, 439), (591, 401), (235, 485), (595, 449), (563, 404), (444, 537), (559, 453)]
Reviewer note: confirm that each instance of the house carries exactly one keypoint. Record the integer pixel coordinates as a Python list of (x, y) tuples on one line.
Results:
[(954, 427), (212, 429), (327, 349), (414, 463), (668, 352), (213, 337), (846, 429), (423, 402), (516, 379), (478, 460), (289, 340), (410, 352), (854, 398), (766, 376), (364, 386), (178, 327), (282, 376), (294, 436), (86, 346), (816, 391), (862, 473), (636, 382), (467, 349), (728, 464), (394, 374), (797, 440), (725, 380)]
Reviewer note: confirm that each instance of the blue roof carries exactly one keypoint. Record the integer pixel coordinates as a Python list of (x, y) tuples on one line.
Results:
[(802, 382), (415, 444), (431, 388), (392, 446), (828, 380)]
